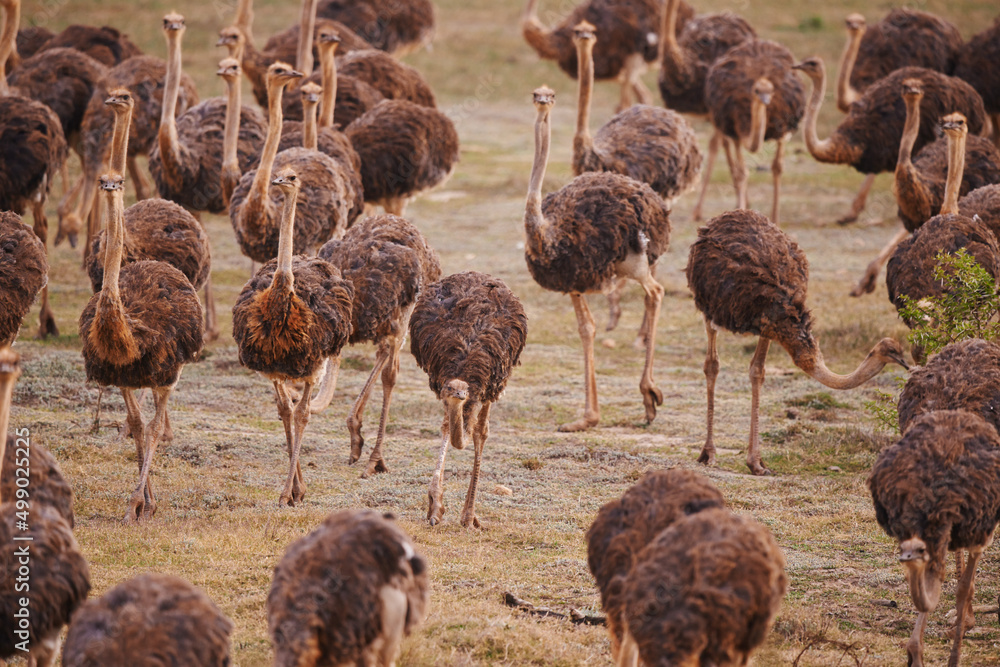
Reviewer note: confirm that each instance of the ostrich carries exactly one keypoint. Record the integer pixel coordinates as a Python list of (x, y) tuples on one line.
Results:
[(652, 145), (145, 77), (326, 195), (149, 619), (241, 143), (625, 526), (584, 238), (394, 79), (467, 332), (874, 125), (32, 150), (705, 591), (975, 64), (24, 272), (294, 313), (137, 332), (628, 41), (29, 40), (375, 590), (685, 58), (919, 185), (389, 263), (405, 149), (397, 27), (936, 491), (104, 44), (752, 96), (749, 277)]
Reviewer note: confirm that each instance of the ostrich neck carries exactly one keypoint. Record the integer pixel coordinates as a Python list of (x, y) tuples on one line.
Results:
[(244, 19), (925, 585), (8, 41), (230, 137), (583, 142), (530, 15), (668, 40), (911, 192), (167, 134), (119, 139), (456, 427), (114, 247), (262, 178), (307, 25), (286, 240), (534, 222), (821, 150), (956, 167), (309, 138), (328, 54), (846, 93), (911, 128), (814, 365), (758, 125)]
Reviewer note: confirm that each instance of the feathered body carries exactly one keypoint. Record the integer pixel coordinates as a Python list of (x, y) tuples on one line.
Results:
[(965, 375), (984, 202), (976, 64), (705, 591), (152, 619), (104, 44), (157, 230), (354, 98), (625, 526), (347, 593), (24, 271), (602, 218), (393, 79), (45, 479), (390, 25), (32, 150), (28, 42)]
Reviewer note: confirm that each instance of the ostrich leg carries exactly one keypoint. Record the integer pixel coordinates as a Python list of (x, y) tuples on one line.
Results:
[(479, 435), (133, 417), (867, 283), (651, 395), (585, 324), (756, 466), (615, 304), (635, 67), (294, 490), (966, 586), (284, 404), (713, 151), (859, 202), (142, 184), (915, 646), (143, 502), (328, 385), (68, 200), (739, 173), (46, 320), (435, 494), (777, 168), (711, 372), (390, 370), (628, 653), (358, 410)]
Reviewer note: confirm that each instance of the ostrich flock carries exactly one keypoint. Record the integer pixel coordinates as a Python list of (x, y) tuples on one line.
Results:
[(347, 128)]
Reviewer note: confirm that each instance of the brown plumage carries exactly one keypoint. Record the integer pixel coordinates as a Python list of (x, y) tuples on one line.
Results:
[(984, 202), (60, 581), (629, 31), (394, 79), (965, 375), (705, 591), (24, 271), (292, 315), (976, 63), (467, 332), (139, 331), (347, 593), (389, 263), (152, 619), (749, 277), (327, 199), (144, 77), (625, 526), (600, 228), (754, 96), (937, 490), (283, 45), (104, 44), (29, 40), (399, 27), (904, 38), (405, 149)]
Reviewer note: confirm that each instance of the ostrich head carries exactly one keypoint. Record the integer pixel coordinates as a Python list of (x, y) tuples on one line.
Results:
[(889, 351), (925, 583), (120, 98), (229, 68), (584, 32), (174, 23), (282, 74), (287, 181), (763, 90), (855, 23), (544, 98), (812, 67), (327, 36), (112, 182), (311, 92), (232, 38), (913, 89), (954, 124)]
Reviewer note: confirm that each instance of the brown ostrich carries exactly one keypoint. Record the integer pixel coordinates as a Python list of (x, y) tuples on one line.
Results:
[(685, 58), (936, 491), (326, 195), (749, 277), (104, 44), (629, 39), (650, 144), (293, 314), (29, 40), (24, 272), (754, 96), (152, 619), (405, 150), (867, 138), (625, 526), (467, 332), (394, 79), (145, 77), (32, 151), (389, 263), (600, 228), (137, 332), (919, 184), (243, 132), (976, 64), (390, 25), (347, 593), (705, 591)]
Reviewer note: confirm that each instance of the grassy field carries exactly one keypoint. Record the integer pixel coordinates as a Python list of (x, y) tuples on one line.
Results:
[(218, 522)]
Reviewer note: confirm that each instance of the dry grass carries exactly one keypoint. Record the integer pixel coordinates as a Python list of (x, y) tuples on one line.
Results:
[(218, 523)]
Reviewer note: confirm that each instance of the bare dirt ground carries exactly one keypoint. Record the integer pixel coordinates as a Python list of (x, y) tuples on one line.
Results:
[(218, 522)]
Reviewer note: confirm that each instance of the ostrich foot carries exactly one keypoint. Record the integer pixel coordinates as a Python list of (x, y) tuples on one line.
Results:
[(471, 520), (137, 508), (758, 468), (849, 218), (867, 283), (707, 456), (375, 467), (651, 397), (47, 325), (588, 421), (435, 513), (357, 445), (286, 499)]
